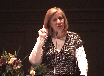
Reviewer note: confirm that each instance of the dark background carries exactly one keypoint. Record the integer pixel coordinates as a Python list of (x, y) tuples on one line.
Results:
[(20, 21)]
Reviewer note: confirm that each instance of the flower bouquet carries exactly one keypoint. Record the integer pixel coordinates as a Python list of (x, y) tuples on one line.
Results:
[(10, 65)]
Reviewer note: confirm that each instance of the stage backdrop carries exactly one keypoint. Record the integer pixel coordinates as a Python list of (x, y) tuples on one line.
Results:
[(20, 21)]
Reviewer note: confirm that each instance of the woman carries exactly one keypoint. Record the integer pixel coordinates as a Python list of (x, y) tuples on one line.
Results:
[(60, 50)]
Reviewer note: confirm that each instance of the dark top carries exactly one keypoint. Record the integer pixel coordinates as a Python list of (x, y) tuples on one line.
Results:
[(65, 61)]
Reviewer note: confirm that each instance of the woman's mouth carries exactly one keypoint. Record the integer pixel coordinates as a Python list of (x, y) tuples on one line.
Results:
[(59, 26)]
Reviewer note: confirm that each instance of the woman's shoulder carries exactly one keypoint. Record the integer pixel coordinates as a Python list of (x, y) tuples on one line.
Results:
[(74, 37), (72, 34)]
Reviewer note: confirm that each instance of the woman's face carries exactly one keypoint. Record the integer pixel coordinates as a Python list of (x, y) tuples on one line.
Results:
[(57, 22)]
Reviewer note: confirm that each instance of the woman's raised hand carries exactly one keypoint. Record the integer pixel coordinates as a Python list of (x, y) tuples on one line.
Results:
[(43, 32)]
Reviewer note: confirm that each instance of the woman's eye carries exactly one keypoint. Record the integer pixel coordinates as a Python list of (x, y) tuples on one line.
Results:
[(54, 19), (60, 18)]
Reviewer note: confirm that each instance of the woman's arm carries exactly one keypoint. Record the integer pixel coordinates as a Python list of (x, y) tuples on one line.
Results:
[(82, 61), (36, 54)]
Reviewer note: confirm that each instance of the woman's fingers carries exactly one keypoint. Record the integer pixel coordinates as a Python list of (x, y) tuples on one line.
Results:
[(44, 29), (42, 32)]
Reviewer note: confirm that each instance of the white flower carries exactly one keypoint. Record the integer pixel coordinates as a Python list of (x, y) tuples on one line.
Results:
[(32, 72), (12, 60)]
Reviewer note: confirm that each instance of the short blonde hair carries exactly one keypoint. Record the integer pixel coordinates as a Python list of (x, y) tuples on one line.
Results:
[(48, 17)]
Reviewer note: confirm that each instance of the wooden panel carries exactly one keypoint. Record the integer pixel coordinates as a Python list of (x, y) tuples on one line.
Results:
[(92, 51), (11, 41), (101, 55)]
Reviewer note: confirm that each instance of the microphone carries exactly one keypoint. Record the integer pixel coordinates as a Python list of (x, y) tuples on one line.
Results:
[(56, 34)]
